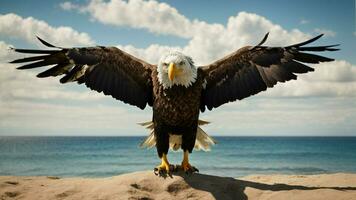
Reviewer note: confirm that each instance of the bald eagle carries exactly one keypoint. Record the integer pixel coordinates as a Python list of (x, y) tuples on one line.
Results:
[(175, 88)]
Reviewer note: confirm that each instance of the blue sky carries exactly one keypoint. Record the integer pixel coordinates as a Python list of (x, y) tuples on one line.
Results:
[(332, 15), (321, 103)]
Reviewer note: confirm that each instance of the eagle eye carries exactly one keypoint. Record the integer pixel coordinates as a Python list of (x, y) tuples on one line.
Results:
[(181, 63)]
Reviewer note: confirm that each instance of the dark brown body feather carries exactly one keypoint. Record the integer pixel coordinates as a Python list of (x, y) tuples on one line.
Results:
[(176, 106), (176, 111), (243, 73)]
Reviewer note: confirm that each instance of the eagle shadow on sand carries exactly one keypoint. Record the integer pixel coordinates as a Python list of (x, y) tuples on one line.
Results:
[(226, 188)]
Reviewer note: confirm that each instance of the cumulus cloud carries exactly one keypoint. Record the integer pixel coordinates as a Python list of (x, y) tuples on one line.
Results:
[(332, 79), (14, 83), (15, 26), (36, 106), (5, 52), (47, 118), (337, 71), (326, 32), (207, 41), (152, 15), (215, 41), (151, 54), (298, 116), (68, 6), (303, 88)]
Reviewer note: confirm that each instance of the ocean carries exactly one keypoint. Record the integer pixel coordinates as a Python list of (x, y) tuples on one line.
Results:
[(232, 156)]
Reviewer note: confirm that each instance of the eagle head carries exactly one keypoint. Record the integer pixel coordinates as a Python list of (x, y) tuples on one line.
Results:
[(175, 68)]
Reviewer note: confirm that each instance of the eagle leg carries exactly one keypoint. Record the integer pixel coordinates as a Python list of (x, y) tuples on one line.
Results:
[(164, 168), (186, 166)]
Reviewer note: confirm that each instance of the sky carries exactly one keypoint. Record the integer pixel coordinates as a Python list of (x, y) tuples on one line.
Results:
[(321, 103)]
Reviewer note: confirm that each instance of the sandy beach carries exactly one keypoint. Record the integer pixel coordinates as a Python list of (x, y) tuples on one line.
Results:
[(146, 186)]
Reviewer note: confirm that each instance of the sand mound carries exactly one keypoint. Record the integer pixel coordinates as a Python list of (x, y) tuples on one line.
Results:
[(147, 186)]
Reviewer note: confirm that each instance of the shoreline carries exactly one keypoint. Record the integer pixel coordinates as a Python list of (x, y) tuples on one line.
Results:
[(144, 185)]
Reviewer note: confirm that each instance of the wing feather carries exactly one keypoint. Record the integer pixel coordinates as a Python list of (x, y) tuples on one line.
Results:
[(251, 70), (104, 69), (57, 70), (311, 58)]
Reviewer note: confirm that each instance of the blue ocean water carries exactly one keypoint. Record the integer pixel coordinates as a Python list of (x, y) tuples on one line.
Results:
[(232, 156)]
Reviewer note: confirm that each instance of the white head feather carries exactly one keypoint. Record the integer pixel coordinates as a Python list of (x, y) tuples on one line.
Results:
[(185, 63)]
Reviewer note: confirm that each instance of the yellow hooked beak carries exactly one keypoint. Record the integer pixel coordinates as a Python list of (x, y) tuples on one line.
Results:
[(173, 71)]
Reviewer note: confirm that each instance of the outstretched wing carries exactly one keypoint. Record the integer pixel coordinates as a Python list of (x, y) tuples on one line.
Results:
[(251, 70), (104, 69)]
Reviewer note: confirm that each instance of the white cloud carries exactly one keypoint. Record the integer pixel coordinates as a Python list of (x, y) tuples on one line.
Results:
[(326, 32), (38, 118), (14, 83), (40, 106), (299, 116), (303, 88), (5, 51), (337, 71), (12, 25), (215, 41), (68, 6), (154, 16), (332, 79), (207, 41), (151, 54), (15, 86)]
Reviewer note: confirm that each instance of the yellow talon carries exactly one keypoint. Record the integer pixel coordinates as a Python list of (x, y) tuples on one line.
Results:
[(164, 166), (186, 166), (185, 163)]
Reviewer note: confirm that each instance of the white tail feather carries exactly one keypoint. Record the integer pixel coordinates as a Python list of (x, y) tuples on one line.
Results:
[(203, 140)]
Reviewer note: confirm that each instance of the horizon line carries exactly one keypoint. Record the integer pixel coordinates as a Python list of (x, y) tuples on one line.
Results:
[(146, 136)]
